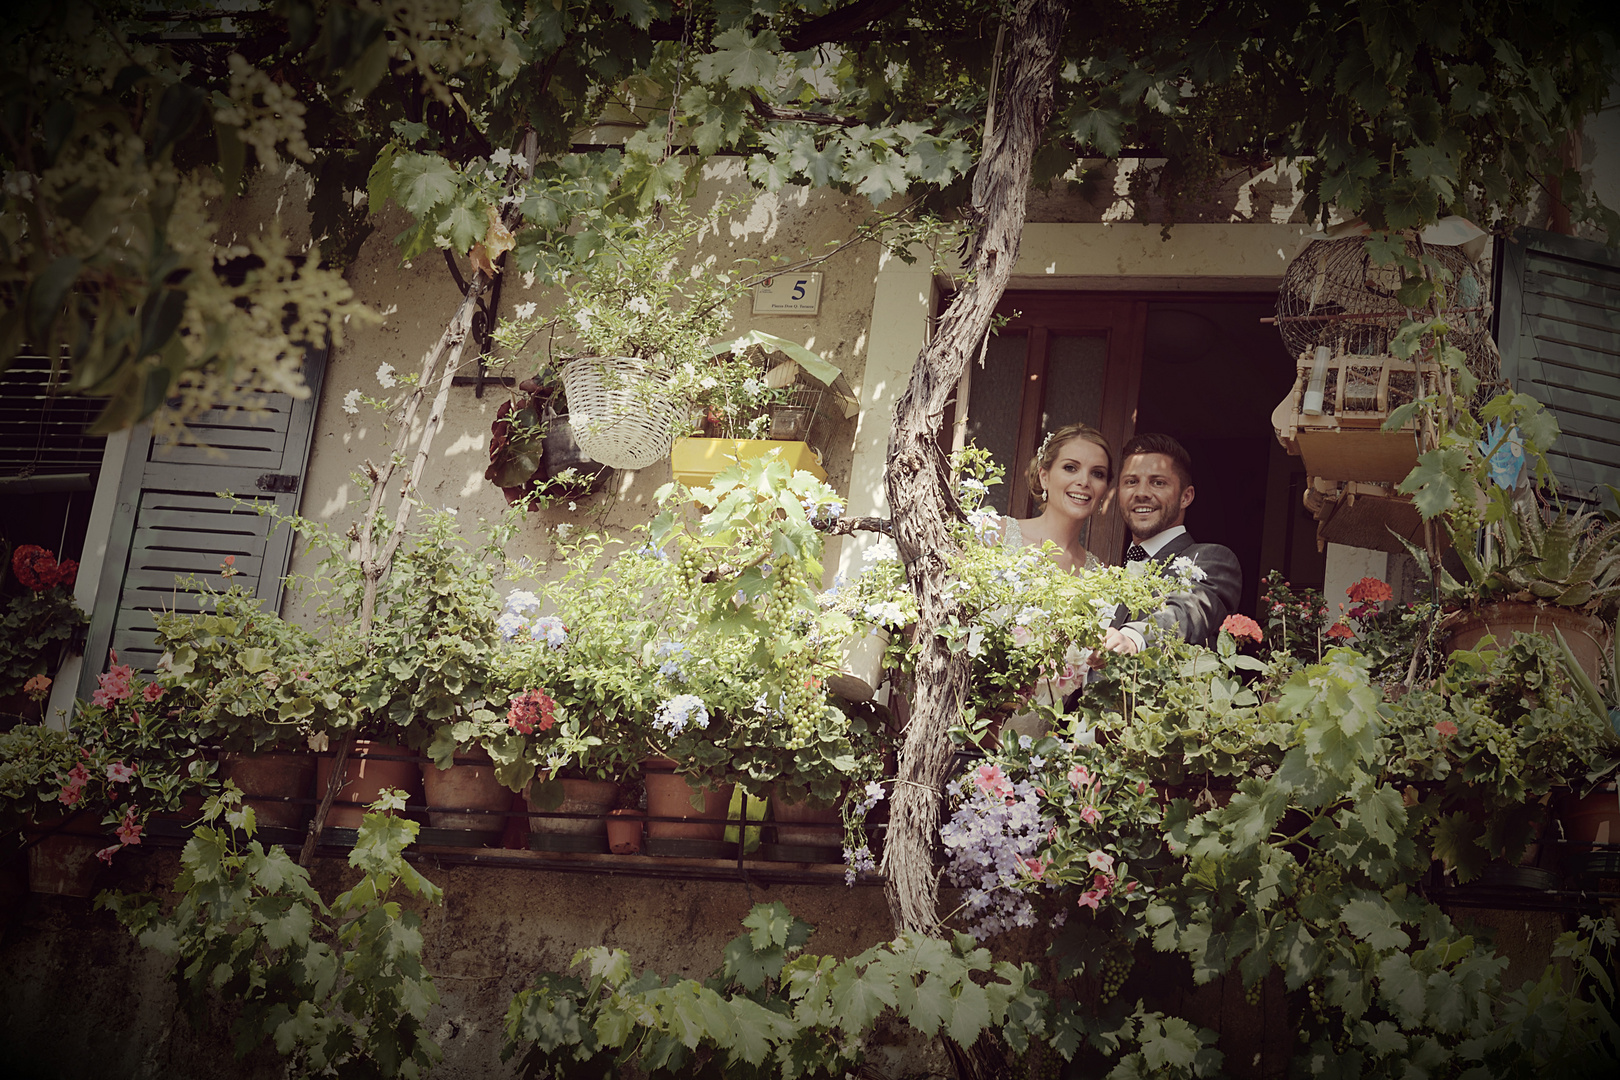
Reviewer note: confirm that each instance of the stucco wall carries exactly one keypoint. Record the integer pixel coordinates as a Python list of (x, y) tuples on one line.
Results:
[(416, 300), (83, 1001)]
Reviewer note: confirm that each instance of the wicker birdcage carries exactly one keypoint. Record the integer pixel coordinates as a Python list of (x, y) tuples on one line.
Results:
[(1338, 311), (800, 412), (1335, 294), (618, 417)]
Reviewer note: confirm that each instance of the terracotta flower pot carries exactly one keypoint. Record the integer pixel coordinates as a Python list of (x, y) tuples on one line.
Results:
[(454, 795), (589, 800), (801, 824), (275, 783), (624, 832), (1583, 632), (670, 796), (371, 766)]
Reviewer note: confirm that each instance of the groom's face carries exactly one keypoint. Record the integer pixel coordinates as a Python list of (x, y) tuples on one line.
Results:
[(1151, 495)]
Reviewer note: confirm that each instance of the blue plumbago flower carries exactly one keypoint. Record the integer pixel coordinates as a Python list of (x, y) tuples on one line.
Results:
[(675, 714), (651, 552), (989, 843), (510, 624), (1010, 577), (873, 795), (521, 600), (672, 653), (1036, 762), (1188, 571), (1025, 742), (973, 485), (857, 860), (549, 629), (986, 522), (1028, 614)]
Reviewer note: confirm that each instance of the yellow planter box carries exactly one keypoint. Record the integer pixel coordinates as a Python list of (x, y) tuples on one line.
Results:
[(696, 462)]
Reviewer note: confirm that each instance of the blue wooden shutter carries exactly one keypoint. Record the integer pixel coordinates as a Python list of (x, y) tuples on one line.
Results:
[(1558, 328), (172, 524)]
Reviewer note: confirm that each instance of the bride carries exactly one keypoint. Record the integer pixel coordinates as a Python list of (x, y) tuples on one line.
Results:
[(1071, 475)]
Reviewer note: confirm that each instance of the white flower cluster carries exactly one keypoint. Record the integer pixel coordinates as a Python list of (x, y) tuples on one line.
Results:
[(680, 711), (986, 523), (518, 618)]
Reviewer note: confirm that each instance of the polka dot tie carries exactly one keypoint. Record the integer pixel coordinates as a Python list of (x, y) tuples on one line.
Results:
[(1136, 553)]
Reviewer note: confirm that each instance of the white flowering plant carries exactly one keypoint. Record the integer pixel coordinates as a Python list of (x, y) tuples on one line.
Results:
[(1022, 618), (880, 600), (755, 644)]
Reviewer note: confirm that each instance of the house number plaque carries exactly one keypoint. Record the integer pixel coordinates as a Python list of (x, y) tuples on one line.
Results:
[(789, 294)]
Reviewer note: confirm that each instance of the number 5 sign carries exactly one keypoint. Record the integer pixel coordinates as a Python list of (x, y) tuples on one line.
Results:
[(789, 294)]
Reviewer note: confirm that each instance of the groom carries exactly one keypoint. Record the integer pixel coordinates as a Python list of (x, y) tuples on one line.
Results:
[(1155, 489)]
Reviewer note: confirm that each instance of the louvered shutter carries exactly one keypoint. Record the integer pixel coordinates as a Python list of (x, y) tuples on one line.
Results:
[(172, 525), (1558, 328)]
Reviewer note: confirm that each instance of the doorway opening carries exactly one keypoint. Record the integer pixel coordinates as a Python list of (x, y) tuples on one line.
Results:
[(1200, 367)]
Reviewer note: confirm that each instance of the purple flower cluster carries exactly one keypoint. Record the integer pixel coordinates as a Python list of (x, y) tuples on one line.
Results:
[(990, 848)]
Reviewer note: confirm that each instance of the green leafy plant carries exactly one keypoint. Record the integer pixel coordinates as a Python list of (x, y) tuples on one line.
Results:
[(771, 1010), (339, 989)]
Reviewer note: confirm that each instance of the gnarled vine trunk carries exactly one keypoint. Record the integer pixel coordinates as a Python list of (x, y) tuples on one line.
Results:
[(918, 474)]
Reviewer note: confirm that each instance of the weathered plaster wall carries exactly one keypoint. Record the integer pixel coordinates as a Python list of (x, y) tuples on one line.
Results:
[(417, 300), (81, 1000)]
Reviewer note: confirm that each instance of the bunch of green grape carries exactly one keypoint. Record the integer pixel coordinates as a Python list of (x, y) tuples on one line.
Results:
[(1114, 970)]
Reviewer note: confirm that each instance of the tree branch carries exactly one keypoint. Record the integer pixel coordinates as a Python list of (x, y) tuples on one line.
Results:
[(850, 526), (918, 475)]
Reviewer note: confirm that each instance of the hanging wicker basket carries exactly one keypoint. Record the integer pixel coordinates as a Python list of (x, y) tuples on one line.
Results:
[(617, 419)]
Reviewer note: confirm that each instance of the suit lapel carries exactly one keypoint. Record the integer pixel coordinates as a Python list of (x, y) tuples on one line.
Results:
[(1173, 548), (1122, 614)]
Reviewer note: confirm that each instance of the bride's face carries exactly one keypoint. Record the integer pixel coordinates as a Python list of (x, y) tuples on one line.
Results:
[(1077, 482)]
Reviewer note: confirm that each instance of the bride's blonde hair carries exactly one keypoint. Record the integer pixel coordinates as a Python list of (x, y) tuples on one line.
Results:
[(1048, 453)]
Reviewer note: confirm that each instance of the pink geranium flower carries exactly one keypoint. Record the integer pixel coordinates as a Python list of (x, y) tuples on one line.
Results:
[(1241, 626), (1080, 777), (1090, 898), (1446, 729), (1036, 867), (118, 772), (1100, 860), (106, 853), (1089, 814), (129, 830), (152, 692), (990, 780)]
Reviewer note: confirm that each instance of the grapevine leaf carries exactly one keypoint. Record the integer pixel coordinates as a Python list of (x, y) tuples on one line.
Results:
[(423, 181), (970, 1015), (1400, 986), (744, 59), (931, 1007), (1374, 923)]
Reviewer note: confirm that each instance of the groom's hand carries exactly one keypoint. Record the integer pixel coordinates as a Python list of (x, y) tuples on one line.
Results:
[(1113, 641)]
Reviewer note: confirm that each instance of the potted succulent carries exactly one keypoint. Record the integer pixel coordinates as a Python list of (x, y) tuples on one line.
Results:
[(1527, 564)]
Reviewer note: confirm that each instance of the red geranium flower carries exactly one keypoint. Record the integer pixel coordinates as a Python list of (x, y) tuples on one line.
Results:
[(1446, 729), (1369, 590), (34, 566), (1340, 630), (1241, 626)]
